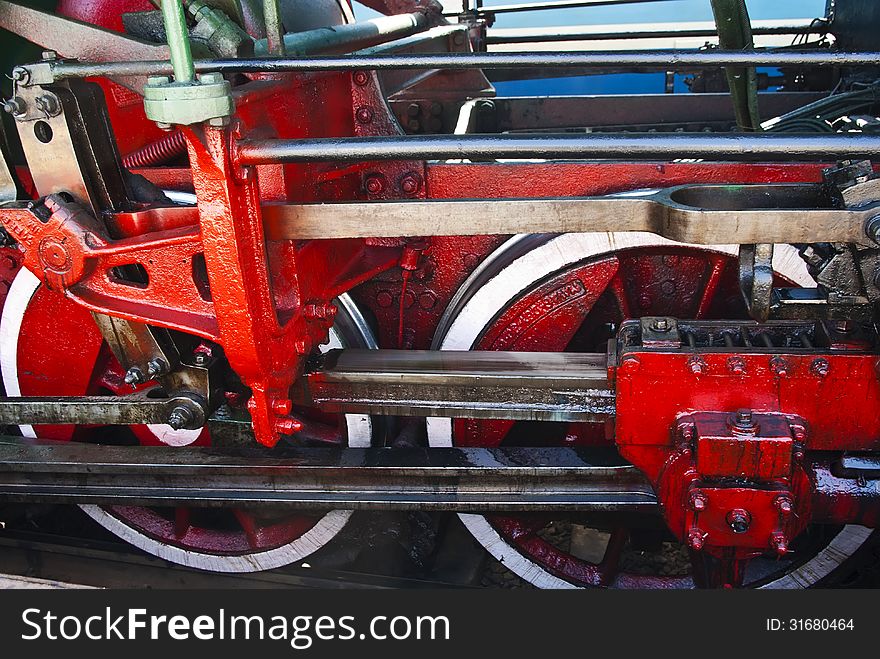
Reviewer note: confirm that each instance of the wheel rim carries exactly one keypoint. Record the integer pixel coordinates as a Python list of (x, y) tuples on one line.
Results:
[(237, 542), (552, 279)]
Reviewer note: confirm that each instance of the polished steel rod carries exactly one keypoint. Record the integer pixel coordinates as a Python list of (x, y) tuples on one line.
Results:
[(651, 60), (732, 146)]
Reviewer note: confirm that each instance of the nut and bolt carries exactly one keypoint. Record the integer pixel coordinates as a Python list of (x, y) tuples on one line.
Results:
[(360, 78), (736, 365), (696, 364), (410, 183), (698, 501), (842, 326), (743, 419), (134, 376), (181, 417), (201, 359), (48, 104), (779, 544), (819, 367), (15, 106), (364, 115), (695, 539), (783, 505), (779, 366), (661, 325), (156, 367), (374, 184), (739, 520)]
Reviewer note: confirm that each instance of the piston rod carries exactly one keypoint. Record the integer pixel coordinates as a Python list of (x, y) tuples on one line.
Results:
[(604, 146)]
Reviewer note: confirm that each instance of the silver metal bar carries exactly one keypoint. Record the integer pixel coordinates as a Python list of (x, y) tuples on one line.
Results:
[(488, 385), (602, 146), (705, 215), (648, 60), (104, 410), (346, 38), (644, 31), (467, 480)]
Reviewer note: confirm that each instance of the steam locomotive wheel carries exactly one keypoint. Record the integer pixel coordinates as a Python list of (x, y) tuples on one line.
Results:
[(570, 292), (50, 346)]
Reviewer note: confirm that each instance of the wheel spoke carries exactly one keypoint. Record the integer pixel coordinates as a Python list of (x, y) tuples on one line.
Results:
[(249, 526), (610, 565), (182, 516)]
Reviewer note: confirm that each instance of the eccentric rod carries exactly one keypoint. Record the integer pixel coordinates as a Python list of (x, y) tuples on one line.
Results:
[(605, 146), (651, 60)]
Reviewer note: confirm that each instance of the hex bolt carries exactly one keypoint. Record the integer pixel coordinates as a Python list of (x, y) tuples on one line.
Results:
[(783, 505), (360, 78), (736, 365), (364, 115), (410, 183), (374, 184), (156, 367), (695, 539), (134, 376), (181, 417), (842, 326), (779, 366), (743, 419), (696, 364), (820, 367), (201, 359), (698, 501), (739, 520), (660, 325)]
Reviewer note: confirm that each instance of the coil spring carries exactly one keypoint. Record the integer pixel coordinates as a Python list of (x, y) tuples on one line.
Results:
[(156, 153)]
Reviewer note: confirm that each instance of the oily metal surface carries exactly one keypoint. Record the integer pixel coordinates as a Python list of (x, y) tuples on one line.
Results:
[(403, 479), (499, 385)]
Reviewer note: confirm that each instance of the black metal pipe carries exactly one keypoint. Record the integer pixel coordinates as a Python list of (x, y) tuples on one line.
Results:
[(541, 6), (651, 60), (605, 146)]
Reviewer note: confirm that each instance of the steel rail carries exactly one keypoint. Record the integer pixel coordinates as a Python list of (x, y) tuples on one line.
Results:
[(465, 480), (594, 146), (46, 72)]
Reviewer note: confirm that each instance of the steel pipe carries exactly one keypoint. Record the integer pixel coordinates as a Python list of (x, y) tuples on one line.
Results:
[(649, 60), (604, 146), (541, 6), (177, 37)]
